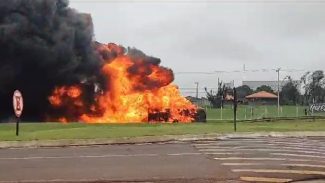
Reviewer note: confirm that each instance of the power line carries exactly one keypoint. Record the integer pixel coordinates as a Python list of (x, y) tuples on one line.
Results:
[(198, 1), (240, 71), (194, 88)]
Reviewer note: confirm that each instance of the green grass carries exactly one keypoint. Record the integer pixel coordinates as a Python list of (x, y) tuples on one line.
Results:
[(246, 112), (49, 131)]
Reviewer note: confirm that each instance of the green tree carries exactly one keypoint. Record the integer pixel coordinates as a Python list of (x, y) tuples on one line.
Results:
[(264, 88), (243, 91), (290, 94), (217, 98), (314, 85)]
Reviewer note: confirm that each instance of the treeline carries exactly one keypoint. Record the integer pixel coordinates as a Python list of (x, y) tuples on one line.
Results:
[(309, 89)]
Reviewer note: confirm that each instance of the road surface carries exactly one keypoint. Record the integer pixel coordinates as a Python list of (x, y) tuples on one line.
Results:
[(264, 159)]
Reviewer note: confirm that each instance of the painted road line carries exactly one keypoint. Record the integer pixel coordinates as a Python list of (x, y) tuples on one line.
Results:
[(299, 146), (305, 160), (207, 150), (298, 155), (307, 152), (230, 149), (226, 153), (277, 139), (268, 146), (265, 179), (81, 156), (304, 165), (303, 172), (265, 158), (302, 148), (264, 150), (307, 143), (183, 154), (258, 159), (272, 146), (241, 164)]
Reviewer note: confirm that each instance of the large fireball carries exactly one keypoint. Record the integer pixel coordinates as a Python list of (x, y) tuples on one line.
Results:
[(136, 89)]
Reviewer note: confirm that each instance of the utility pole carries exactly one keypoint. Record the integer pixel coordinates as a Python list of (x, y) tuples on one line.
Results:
[(197, 89), (235, 108), (278, 71)]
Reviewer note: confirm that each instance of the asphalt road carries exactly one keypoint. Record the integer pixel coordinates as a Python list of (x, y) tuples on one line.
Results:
[(228, 160)]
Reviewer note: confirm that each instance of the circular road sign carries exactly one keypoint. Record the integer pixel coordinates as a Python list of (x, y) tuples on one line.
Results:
[(18, 103)]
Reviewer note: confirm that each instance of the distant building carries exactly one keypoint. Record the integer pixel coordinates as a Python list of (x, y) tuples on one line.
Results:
[(273, 84), (202, 102), (262, 98)]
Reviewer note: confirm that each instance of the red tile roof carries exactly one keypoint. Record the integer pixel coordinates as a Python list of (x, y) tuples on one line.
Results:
[(262, 94)]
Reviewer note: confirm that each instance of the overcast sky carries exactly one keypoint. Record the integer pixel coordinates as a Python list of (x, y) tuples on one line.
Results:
[(203, 36)]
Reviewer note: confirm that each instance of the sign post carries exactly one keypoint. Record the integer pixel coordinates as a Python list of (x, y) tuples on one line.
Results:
[(18, 105)]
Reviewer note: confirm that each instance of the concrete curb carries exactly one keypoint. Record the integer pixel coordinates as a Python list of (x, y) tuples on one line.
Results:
[(152, 139)]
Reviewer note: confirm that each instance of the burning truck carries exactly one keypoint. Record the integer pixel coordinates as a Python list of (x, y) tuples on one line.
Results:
[(48, 52), (136, 89)]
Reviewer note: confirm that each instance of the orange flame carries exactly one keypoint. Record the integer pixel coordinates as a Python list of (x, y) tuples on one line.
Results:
[(136, 92)]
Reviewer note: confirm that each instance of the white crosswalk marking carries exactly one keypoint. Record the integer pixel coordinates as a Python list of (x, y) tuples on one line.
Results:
[(304, 165), (308, 172), (262, 150), (226, 153), (272, 159), (241, 164), (265, 179), (241, 158), (297, 155)]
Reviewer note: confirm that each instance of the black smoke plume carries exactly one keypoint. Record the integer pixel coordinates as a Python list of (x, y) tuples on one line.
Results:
[(43, 43)]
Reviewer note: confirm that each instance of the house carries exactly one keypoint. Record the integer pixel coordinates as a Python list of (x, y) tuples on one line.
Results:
[(262, 98)]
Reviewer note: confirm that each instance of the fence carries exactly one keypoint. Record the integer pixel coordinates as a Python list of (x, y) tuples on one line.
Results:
[(246, 112)]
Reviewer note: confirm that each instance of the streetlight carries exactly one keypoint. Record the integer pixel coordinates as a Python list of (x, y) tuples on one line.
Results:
[(278, 71)]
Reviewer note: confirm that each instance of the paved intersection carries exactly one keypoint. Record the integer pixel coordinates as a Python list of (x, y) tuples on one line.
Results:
[(268, 159), (235, 160)]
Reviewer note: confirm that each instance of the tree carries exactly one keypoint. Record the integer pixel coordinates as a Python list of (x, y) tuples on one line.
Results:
[(290, 94), (243, 91), (314, 85), (264, 88), (303, 82), (216, 99)]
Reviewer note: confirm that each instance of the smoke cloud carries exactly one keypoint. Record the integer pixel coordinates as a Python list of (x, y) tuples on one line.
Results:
[(43, 43)]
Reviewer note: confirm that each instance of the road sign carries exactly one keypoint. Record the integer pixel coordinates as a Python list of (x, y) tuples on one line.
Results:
[(18, 103)]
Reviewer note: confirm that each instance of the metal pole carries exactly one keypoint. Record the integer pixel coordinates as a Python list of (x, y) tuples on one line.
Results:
[(197, 89), (17, 126), (221, 112), (245, 113), (235, 109), (278, 71), (297, 111)]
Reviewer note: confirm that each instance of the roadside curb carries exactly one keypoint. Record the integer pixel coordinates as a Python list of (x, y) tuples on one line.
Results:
[(152, 139)]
